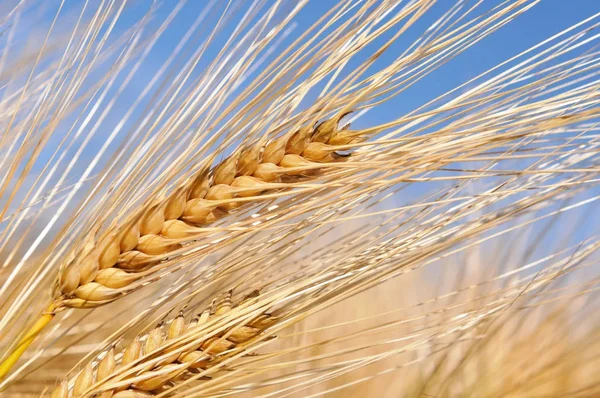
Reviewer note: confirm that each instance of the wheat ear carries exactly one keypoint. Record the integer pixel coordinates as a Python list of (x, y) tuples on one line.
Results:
[(105, 268), (157, 367)]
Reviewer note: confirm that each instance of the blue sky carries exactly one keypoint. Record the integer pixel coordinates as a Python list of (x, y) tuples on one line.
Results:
[(545, 19), (542, 21)]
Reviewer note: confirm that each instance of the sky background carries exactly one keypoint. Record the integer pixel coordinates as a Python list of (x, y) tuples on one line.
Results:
[(545, 19)]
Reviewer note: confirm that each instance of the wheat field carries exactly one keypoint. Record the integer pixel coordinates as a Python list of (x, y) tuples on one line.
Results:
[(295, 198)]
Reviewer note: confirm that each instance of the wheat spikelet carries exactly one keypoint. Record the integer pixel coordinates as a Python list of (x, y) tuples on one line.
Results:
[(106, 267), (142, 351)]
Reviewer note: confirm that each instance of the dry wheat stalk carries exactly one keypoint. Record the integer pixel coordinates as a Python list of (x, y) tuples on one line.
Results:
[(389, 250), (71, 279), (377, 256)]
